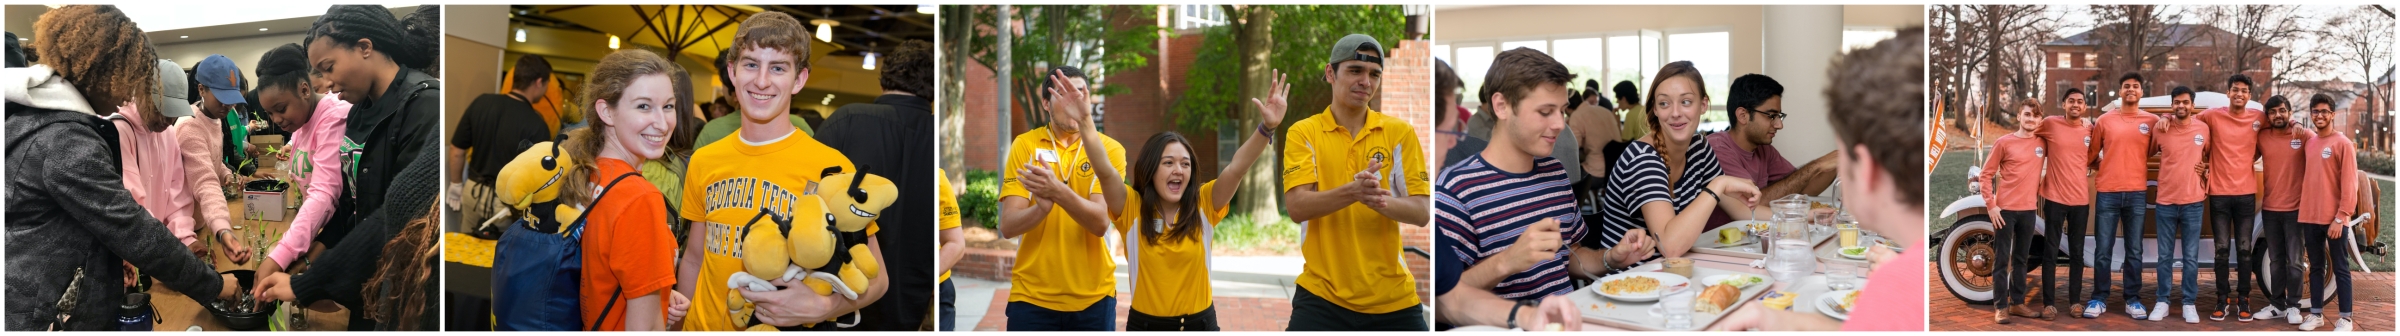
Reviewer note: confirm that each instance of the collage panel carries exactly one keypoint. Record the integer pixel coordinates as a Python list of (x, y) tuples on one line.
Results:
[(267, 169), (1087, 136), (2181, 155), (1738, 172), (691, 167)]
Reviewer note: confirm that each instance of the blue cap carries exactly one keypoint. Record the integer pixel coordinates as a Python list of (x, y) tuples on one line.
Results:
[(221, 78)]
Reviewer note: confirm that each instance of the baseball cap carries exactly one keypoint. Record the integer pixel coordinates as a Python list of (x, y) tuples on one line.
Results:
[(172, 91), (222, 78), (1347, 50)]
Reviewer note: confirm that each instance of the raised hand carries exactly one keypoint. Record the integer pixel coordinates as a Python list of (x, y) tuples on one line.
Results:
[(1270, 111), (1077, 102)]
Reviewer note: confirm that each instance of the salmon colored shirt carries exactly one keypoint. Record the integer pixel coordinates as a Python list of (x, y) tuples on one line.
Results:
[(2333, 167), (1884, 307), (2233, 146), (2180, 147), (2279, 151), (2008, 176), (2067, 143), (626, 246), (2124, 140)]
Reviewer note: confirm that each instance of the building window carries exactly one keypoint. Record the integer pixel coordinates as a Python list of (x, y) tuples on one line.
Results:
[(1198, 16), (1711, 53), (2064, 61), (1862, 38), (2174, 61), (2091, 93), (1472, 62), (2091, 60), (1583, 57), (1537, 45)]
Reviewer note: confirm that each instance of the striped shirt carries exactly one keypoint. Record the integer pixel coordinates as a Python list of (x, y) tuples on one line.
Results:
[(1640, 176), (1482, 209)]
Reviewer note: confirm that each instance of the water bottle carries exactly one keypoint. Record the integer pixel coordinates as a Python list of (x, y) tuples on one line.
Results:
[(135, 314)]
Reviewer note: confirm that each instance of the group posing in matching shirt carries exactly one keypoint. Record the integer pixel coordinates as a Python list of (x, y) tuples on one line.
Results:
[(2045, 171)]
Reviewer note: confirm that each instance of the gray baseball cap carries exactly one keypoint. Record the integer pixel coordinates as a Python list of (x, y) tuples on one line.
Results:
[(1347, 50), (174, 93)]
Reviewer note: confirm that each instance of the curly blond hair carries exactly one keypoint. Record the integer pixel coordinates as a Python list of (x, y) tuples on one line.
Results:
[(100, 51)]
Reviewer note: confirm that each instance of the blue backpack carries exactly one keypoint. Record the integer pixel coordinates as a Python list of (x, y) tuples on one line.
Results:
[(537, 276)]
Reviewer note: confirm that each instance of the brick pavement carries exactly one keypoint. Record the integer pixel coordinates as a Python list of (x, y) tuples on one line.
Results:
[(1947, 313)]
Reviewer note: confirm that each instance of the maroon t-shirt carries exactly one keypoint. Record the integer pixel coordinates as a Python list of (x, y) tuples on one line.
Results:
[(1763, 166)]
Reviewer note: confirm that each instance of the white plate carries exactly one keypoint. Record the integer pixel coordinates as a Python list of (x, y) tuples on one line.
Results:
[(1748, 237), (1720, 278), (1829, 302), (1861, 256), (1667, 283)]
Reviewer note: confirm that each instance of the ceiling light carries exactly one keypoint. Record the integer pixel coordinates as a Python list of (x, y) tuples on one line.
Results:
[(924, 9), (825, 29), (869, 64), (185, 36), (520, 35), (828, 100), (262, 29), (612, 42)]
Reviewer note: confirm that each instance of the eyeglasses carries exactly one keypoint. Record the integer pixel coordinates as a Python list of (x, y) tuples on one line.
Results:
[(1772, 114)]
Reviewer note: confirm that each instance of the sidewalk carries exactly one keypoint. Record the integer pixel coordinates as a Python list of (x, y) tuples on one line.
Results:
[(2374, 294)]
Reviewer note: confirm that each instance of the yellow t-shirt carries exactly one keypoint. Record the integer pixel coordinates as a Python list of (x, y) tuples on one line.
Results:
[(947, 205), (729, 183), (1353, 255), (1171, 277), (1060, 266)]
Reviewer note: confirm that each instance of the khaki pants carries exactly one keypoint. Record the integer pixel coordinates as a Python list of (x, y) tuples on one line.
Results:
[(481, 204)]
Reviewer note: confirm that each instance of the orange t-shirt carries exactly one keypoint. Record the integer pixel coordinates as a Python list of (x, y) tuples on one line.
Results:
[(2232, 147), (2180, 147), (2333, 167), (2067, 143), (625, 245), (2124, 140), (2279, 151), (2009, 174)]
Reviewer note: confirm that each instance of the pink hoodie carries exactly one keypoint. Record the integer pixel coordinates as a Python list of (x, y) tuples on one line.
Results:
[(205, 177), (153, 168), (319, 146)]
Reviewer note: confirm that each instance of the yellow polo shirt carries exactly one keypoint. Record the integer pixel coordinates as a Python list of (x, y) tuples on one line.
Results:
[(729, 183), (1060, 266), (1169, 278), (1353, 255), (947, 205)]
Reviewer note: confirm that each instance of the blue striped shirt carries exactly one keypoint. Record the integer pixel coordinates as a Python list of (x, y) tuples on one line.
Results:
[(1482, 209)]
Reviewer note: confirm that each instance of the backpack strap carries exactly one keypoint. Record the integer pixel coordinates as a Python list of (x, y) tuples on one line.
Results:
[(575, 231)]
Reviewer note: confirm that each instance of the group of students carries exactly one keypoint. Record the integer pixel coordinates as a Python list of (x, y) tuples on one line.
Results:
[(2203, 157), (642, 268), (1351, 175), (93, 199), (1521, 225)]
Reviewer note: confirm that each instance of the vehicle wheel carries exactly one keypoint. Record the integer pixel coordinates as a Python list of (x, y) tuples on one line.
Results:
[(1968, 258)]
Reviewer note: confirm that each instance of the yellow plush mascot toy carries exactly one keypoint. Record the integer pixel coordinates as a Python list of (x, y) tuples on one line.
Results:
[(529, 185), (822, 243)]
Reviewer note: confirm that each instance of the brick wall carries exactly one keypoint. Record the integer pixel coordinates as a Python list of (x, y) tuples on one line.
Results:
[(1408, 94)]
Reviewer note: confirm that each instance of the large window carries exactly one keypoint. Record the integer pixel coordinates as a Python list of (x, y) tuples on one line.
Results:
[(1710, 52), (1472, 63), (1537, 45), (1860, 38), (1585, 57), (1606, 58), (1198, 16), (1630, 58)]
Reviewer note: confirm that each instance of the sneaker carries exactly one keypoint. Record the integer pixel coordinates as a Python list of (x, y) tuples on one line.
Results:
[(2025, 311), (2291, 316), (2313, 322), (2241, 310), (2049, 313), (2220, 312), (2191, 314), (2094, 308), (2343, 325), (2136, 309), (2267, 312)]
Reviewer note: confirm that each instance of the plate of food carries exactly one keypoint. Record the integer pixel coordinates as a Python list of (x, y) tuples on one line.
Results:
[(1737, 233), (1837, 304), (1735, 280), (1639, 286), (1854, 252)]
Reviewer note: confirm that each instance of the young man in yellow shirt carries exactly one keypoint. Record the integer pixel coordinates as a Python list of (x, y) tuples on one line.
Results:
[(1350, 175), (769, 167), (1059, 188), (951, 249)]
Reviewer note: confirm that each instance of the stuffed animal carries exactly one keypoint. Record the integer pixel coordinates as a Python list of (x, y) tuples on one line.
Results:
[(529, 185), (822, 243), (854, 201)]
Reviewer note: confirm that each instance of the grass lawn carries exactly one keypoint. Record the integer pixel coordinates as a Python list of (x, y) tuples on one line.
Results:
[(1949, 183)]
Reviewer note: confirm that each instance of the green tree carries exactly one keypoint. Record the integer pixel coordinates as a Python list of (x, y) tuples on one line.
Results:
[(1234, 62), (1098, 39)]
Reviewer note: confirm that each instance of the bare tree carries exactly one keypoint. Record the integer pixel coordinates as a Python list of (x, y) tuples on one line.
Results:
[(2360, 41), (1989, 47), (2133, 38), (2255, 35)]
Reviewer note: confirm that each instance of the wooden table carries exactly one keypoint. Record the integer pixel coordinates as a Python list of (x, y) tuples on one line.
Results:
[(177, 312)]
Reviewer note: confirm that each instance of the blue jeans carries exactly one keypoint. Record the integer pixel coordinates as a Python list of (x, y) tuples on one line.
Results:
[(2179, 232), (2120, 214), (1100, 316)]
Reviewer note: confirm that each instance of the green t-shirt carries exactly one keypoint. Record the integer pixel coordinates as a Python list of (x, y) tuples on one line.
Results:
[(1635, 125)]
